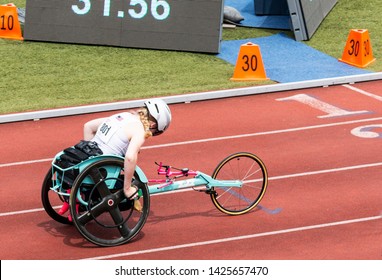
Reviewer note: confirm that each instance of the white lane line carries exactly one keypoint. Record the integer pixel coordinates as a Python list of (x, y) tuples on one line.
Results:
[(236, 238), (280, 177), (221, 138), (21, 212), (368, 94), (265, 133), (25, 162), (338, 169)]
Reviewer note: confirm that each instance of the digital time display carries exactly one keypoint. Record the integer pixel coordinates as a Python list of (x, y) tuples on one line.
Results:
[(186, 25), (155, 7)]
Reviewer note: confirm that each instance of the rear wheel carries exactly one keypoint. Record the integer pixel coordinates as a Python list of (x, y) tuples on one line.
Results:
[(100, 210), (54, 200)]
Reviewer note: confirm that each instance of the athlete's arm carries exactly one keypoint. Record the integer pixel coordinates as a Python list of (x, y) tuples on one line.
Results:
[(90, 128), (137, 139)]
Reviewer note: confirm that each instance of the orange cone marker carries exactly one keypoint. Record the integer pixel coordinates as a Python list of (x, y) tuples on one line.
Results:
[(358, 51), (9, 22), (249, 64)]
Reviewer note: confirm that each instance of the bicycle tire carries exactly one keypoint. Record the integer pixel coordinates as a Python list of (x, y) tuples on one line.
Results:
[(104, 216), (247, 168)]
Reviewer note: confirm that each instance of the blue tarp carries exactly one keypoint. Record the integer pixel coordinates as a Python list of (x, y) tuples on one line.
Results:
[(286, 60)]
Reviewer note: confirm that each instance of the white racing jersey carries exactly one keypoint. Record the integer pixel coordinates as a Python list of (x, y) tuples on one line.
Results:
[(111, 135)]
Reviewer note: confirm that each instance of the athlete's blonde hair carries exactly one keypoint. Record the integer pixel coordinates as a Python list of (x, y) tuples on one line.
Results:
[(144, 117)]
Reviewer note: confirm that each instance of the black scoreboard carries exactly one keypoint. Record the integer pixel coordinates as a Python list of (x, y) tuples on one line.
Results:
[(185, 25)]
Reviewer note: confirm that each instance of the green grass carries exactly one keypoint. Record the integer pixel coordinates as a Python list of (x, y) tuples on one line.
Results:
[(37, 75)]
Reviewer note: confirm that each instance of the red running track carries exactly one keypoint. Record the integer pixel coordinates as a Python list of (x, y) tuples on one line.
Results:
[(324, 198)]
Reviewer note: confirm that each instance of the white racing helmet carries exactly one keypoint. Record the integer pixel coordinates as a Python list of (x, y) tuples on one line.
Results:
[(160, 111)]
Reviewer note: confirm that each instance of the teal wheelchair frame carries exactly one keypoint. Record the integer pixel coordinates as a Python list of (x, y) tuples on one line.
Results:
[(90, 194)]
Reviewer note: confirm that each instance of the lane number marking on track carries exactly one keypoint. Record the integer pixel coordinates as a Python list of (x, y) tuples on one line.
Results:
[(334, 111)]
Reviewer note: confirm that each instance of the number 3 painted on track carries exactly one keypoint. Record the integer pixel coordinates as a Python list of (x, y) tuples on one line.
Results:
[(366, 131)]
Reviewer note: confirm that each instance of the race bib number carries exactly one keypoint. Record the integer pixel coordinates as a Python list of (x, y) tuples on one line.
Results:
[(107, 130)]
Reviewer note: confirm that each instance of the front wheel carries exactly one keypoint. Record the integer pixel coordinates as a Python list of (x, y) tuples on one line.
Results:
[(251, 171)]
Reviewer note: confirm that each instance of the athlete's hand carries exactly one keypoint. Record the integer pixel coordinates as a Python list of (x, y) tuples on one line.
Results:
[(131, 192)]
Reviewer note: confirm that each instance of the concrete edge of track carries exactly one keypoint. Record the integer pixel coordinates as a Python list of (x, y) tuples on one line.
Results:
[(36, 115)]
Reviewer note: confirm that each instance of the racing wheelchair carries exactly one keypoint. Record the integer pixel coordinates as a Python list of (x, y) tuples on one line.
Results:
[(86, 189)]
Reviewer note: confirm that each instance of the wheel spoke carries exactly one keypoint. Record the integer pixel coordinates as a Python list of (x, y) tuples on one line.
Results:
[(248, 169)]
